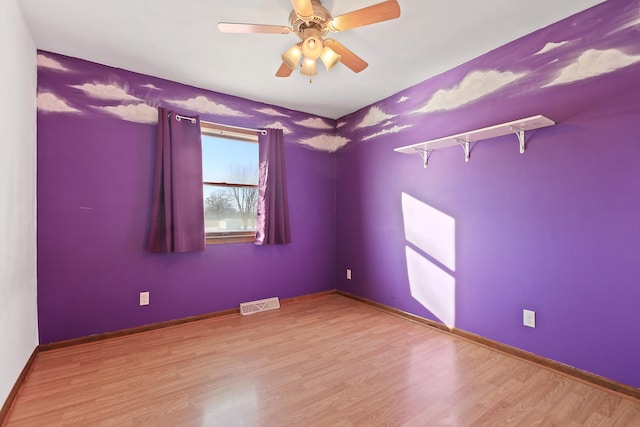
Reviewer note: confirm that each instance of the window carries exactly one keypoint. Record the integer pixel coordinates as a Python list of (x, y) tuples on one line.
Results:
[(230, 174)]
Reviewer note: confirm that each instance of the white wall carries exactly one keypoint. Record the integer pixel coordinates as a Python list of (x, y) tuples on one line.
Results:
[(18, 302)]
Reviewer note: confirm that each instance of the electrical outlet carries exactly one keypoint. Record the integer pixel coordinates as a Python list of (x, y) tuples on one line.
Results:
[(144, 298), (529, 318), (348, 274)]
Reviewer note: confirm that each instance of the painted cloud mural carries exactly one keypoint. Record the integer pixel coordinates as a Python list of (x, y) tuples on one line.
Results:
[(590, 44), (473, 87), (594, 63), (138, 113), (279, 125), (374, 116), (271, 112), (202, 104), (45, 61), (550, 46), (315, 123), (394, 129), (106, 92), (329, 143), (50, 103), (73, 86)]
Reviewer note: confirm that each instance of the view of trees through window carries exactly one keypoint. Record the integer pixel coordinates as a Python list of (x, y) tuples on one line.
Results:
[(230, 172)]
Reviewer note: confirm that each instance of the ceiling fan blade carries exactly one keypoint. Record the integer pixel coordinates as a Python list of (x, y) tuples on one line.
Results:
[(232, 27), (303, 9), (284, 71), (348, 58), (367, 15)]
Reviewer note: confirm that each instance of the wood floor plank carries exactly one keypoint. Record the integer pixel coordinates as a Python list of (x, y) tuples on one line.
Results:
[(328, 361)]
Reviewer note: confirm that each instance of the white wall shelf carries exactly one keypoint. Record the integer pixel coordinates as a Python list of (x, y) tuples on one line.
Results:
[(464, 140)]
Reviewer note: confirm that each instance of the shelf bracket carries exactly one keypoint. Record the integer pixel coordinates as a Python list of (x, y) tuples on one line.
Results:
[(424, 154), (520, 134), (466, 146)]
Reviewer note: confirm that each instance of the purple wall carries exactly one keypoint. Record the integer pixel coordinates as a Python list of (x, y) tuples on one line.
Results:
[(96, 145), (555, 230)]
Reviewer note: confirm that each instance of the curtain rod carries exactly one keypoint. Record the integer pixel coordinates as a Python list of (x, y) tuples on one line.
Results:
[(261, 131), (193, 120)]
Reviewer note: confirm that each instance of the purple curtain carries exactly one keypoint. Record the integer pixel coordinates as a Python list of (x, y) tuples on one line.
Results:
[(177, 218), (273, 205)]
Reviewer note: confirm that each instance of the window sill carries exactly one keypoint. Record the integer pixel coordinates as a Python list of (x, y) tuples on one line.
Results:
[(216, 239)]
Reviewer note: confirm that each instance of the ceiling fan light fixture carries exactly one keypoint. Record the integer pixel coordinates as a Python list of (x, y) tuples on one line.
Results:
[(292, 56), (312, 47), (309, 67), (329, 57)]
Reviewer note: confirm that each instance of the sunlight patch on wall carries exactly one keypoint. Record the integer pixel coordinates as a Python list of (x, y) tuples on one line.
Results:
[(431, 230), (432, 287), (431, 257)]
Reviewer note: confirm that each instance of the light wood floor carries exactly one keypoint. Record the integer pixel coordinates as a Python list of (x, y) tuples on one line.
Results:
[(330, 361)]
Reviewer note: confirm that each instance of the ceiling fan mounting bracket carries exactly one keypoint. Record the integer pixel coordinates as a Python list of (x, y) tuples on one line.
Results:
[(321, 16)]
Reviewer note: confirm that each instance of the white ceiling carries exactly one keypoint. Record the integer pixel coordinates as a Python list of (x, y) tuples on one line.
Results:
[(179, 41)]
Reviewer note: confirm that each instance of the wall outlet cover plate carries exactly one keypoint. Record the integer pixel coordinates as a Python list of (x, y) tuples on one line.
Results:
[(529, 318)]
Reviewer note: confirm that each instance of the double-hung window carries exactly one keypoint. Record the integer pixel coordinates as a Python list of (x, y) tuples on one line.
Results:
[(230, 174)]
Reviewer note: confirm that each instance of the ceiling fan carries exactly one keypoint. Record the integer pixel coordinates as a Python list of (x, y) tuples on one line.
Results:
[(311, 22)]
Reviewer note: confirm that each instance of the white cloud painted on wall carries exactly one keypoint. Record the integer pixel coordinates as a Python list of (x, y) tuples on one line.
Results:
[(394, 129), (314, 123), (593, 63), (50, 103), (138, 113), (550, 46), (341, 124), (46, 62), (633, 17), (203, 105), (106, 92), (402, 99), (329, 143), (634, 23), (151, 86), (374, 116), (278, 125), (473, 86), (271, 112)]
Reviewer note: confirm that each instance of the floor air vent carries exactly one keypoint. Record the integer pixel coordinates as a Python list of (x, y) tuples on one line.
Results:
[(252, 307)]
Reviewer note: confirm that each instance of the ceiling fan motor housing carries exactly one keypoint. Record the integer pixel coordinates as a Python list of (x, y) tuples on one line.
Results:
[(321, 17)]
